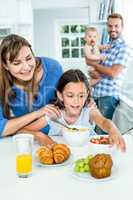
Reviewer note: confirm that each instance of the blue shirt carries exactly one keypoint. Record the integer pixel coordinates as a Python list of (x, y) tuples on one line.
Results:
[(46, 94), (119, 53)]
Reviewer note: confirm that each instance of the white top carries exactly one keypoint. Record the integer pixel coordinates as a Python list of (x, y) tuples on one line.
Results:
[(83, 120)]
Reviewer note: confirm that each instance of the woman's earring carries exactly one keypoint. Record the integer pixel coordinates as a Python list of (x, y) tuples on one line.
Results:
[(6, 68)]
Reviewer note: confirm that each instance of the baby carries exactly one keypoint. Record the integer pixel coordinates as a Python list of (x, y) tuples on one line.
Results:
[(93, 51)]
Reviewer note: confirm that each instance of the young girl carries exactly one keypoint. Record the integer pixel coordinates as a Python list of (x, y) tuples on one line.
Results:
[(73, 94)]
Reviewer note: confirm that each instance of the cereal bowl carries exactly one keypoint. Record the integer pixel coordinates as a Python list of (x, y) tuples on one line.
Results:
[(100, 144), (78, 137)]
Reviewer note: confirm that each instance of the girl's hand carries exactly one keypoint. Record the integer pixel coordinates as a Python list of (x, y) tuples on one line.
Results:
[(41, 138), (92, 104), (118, 140), (108, 126), (44, 139)]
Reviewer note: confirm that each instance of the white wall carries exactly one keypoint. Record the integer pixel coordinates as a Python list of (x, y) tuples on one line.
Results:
[(44, 27), (125, 8), (41, 4), (7, 16), (127, 86)]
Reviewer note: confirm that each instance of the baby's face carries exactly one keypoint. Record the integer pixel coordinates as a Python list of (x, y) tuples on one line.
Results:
[(91, 38)]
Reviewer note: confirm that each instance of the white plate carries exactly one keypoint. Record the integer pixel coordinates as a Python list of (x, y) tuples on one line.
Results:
[(86, 176), (68, 161)]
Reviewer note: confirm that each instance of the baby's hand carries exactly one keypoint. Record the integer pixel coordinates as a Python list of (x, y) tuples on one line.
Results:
[(103, 58), (105, 47), (108, 46)]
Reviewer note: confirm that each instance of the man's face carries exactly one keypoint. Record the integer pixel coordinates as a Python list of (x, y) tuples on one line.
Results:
[(114, 27)]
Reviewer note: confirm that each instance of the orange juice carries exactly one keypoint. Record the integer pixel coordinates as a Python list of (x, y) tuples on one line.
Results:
[(24, 163)]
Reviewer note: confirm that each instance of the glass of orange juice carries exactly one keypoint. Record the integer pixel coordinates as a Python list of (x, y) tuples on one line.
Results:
[(24, 144)]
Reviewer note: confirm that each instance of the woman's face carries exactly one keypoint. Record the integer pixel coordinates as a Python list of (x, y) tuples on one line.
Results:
[(74, 97), (23, 66)]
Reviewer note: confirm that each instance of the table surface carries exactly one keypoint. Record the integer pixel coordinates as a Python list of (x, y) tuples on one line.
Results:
[(57, 183)]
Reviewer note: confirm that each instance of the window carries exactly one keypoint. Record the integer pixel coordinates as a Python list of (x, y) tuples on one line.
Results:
[(71, 42), (4, 32)]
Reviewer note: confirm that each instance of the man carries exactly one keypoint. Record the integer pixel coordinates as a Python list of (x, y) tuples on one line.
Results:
[(106, 92)]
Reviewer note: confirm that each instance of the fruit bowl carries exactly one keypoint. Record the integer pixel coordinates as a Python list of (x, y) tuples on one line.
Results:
[(100, 144), (78, 137)]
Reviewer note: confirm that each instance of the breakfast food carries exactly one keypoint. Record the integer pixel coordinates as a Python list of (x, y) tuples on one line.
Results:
[(101, 140), (77, 130), (45, 155), (82, 164), (100, 165), (58, 154)]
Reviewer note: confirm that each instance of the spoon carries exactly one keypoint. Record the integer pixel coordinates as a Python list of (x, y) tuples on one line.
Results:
[(126, 132), (62, 124)]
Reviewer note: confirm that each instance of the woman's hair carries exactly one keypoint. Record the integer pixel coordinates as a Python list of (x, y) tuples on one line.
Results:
[(75, 76), (9, 50)]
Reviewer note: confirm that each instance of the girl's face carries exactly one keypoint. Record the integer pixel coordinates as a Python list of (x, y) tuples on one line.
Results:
[(73, 97), (23, 66), (91, 38)]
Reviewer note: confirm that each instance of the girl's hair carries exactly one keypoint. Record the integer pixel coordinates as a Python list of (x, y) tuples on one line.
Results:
[(75, 76), (9, 50)]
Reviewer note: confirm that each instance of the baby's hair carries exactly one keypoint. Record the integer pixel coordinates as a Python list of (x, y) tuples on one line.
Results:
[(91, 28), (75, 76)]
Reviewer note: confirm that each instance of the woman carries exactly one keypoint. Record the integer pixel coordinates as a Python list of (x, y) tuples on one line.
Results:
[(27, 86)]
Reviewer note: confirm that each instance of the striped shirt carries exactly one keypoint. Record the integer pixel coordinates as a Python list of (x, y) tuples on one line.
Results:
[(119, 53)]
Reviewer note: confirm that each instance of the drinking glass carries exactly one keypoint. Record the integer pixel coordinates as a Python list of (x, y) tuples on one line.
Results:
[(24, 143)]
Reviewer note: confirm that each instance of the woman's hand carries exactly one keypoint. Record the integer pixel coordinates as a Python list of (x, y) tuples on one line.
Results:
[(50, 110)]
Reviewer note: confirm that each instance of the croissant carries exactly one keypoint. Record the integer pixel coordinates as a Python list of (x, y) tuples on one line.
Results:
[(58, 154), (45, 155), (61, 153)]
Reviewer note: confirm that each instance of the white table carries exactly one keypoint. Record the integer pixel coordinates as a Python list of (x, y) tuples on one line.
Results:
[(58, 184)]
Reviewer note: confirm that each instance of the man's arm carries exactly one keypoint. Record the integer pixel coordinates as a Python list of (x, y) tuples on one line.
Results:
[(113, 71)]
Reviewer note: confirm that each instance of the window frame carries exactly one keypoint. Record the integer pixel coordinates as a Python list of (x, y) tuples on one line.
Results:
[(59, 35)]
